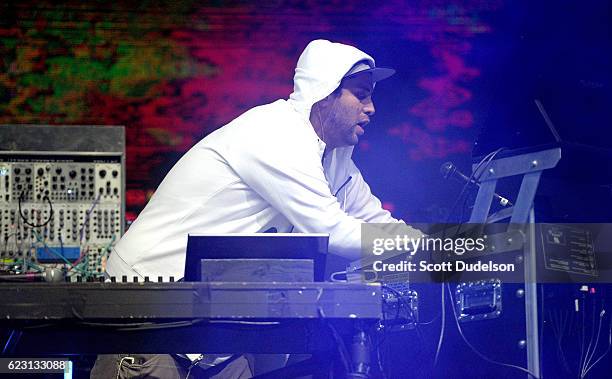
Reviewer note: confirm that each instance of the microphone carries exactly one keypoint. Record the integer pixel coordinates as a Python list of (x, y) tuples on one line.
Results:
[(448, 169)]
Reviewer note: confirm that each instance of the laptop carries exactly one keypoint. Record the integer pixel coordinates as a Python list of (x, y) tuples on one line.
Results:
[(312, 246)]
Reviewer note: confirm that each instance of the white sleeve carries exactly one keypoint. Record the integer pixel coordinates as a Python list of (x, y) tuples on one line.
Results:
[(290, 177), (361, 203)]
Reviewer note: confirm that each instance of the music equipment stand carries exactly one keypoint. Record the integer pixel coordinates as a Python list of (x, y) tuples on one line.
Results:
[(521, 215)]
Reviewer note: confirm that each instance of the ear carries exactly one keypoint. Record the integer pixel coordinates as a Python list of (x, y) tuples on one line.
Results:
[(322, 104), (327, 101)]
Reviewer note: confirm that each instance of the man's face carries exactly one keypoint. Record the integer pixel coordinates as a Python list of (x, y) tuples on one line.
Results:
[(348, 111)]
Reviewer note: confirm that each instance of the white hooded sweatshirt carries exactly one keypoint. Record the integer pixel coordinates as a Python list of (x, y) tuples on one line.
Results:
[(263, 170)]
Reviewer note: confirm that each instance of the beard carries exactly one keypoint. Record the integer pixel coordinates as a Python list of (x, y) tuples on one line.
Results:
[(339, 126)]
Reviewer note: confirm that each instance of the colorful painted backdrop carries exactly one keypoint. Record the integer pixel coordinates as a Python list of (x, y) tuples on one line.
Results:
[(173, 71)]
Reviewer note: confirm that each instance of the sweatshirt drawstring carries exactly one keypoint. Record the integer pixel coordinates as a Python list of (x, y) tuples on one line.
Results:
[(339, 189)]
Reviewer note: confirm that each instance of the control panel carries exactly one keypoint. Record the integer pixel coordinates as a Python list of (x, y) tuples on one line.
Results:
[(60, 209)]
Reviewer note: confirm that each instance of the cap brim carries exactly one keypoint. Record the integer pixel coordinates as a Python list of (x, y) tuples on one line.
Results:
[(378, 73)]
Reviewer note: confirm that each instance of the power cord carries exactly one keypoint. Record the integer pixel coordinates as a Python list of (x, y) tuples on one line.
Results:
[(25, 218), (481, 355)]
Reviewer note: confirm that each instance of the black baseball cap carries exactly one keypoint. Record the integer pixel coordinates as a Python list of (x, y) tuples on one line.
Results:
[(378, 73)]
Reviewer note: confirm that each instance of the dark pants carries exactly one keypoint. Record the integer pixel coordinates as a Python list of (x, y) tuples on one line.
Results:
[(165, 366)]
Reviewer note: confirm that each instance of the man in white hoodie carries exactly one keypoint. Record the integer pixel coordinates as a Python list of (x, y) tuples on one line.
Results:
[(284, 166)]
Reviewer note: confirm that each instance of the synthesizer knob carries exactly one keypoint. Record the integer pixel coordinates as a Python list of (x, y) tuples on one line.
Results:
[(58, 170), (28, 171), (102, 173), (72, 174), (17, 170)]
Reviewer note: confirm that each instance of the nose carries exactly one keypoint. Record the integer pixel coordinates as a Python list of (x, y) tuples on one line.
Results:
[(368, 107)]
